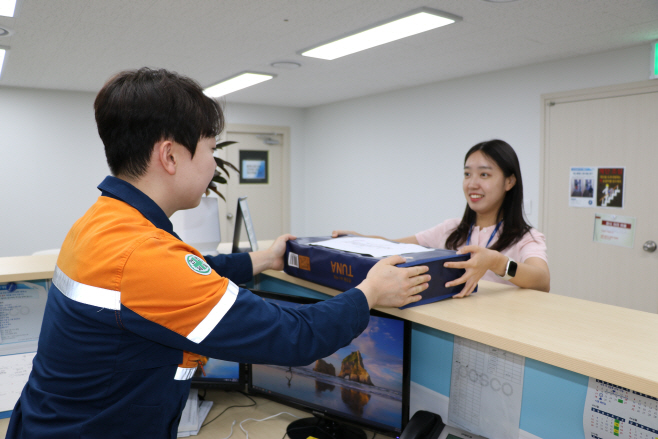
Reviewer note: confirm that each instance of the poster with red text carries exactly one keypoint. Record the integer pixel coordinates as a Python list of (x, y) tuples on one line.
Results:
[(610, 187), (614, 229)]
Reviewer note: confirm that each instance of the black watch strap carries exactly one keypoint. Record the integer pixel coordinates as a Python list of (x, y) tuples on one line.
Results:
[(510, 270)]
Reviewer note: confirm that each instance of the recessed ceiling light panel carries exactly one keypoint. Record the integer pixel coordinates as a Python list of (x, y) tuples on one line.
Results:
[(415, 22), (7, 8), (236, 83)]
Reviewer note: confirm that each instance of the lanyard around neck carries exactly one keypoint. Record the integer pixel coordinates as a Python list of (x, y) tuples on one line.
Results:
[(468, 239)]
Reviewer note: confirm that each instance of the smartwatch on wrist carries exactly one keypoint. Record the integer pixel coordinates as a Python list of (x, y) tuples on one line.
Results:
[(510, 270)]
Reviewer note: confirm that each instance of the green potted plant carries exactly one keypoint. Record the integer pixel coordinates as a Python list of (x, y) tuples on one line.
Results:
[(221, 171)]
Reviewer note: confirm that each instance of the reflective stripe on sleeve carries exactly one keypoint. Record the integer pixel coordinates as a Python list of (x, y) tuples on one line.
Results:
[(87, 294), (215, 315), (184, 373)]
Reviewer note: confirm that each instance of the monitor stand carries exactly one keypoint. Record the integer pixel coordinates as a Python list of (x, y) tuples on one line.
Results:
[(322, 428)]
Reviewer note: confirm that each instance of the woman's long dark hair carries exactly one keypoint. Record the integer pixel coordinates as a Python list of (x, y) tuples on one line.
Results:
[(514, 224)]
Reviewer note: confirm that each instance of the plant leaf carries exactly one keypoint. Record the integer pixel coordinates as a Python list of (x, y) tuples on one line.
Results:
[(221, 163), (217, 192), (223, 169), (221, 145)]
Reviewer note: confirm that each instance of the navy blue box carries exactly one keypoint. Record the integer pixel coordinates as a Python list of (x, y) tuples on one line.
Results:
[(344, 270)]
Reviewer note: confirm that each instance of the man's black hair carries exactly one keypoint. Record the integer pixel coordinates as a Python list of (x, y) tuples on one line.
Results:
[(137, 108)]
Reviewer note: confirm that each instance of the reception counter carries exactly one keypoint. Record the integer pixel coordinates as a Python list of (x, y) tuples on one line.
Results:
[(614, 344), (565, 341), (25, 268)]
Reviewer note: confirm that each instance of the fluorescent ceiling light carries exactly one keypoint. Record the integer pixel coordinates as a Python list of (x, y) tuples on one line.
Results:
[(7, 7), (411, 24), (236, 83), (2, 58)]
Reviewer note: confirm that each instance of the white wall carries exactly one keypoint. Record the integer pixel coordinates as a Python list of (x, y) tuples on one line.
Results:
[(51, 160), (391, 164), (388, 164)]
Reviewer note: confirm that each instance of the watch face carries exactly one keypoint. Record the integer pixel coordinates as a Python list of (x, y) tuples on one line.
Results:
[(511, 270)]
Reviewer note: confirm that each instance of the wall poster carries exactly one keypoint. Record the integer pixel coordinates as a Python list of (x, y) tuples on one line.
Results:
[(610, 190), (581, 187), (596, 187)]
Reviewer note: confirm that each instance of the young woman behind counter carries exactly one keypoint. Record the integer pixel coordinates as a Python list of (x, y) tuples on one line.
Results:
[(504, 248)]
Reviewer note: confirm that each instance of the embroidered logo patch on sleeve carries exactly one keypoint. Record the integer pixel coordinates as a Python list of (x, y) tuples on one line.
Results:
[(197, 265)]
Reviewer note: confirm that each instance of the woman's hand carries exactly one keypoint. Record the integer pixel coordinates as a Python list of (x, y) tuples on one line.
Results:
[(482, 259), (337, 233)]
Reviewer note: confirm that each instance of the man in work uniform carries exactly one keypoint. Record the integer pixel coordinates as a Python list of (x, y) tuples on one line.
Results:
[(132, 307)]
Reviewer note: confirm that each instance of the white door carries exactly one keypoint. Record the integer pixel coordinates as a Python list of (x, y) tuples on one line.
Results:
[(605, 127), (267, 193)]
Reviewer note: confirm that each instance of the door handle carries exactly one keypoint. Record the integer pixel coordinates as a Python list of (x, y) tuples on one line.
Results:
[(229, 215), (649, 246)]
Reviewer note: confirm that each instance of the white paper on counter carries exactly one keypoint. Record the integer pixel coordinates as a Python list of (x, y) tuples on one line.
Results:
[(375, 247)]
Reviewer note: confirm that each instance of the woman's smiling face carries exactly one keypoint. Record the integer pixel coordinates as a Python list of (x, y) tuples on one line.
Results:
[(485, 185)]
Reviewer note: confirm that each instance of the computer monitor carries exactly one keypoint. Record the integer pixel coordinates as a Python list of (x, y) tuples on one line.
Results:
[(242, 214), (220, 374), (364, 384)]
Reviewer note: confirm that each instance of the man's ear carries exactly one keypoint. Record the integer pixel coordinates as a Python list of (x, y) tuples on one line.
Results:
[(164, 155)]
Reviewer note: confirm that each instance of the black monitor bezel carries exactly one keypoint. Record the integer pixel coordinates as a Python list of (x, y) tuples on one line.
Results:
[(242, 214), (336, 415), (204, 382)]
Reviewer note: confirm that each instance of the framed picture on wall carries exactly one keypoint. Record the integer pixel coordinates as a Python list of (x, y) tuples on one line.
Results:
[(253, 167)]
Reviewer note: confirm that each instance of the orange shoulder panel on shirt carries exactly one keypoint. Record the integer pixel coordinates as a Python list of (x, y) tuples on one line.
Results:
[(99, 243), (113, 246), (160, 285)]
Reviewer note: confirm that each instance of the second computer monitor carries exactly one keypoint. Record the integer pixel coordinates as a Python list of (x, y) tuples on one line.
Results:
[(365, 383)]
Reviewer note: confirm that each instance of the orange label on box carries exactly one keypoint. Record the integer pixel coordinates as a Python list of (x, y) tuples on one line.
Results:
[(304, 263)]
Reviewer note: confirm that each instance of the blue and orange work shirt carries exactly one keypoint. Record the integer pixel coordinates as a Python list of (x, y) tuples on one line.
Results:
[(130, 302)]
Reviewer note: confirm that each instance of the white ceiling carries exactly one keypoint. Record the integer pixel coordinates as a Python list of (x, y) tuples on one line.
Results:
[(78, 44)]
